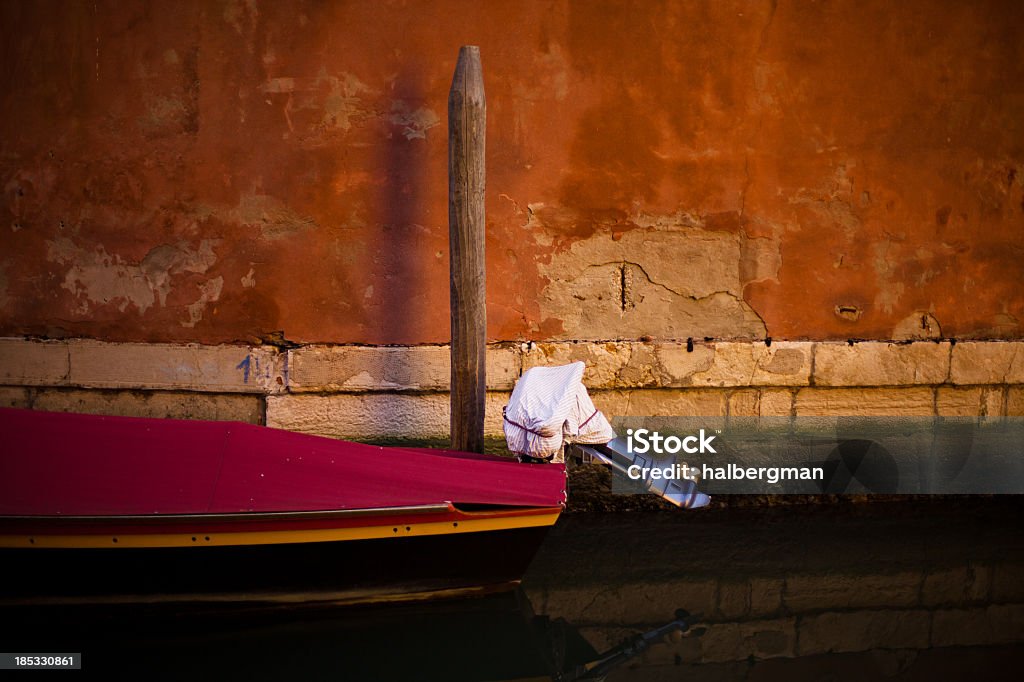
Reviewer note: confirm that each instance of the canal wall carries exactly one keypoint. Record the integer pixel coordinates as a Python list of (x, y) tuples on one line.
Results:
[(238, 210), (380, 393)]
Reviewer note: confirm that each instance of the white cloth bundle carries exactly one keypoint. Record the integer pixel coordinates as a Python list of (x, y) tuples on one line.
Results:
[(550, 406)]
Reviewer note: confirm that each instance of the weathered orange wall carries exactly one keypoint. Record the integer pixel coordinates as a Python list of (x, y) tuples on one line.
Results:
[(222, 171)]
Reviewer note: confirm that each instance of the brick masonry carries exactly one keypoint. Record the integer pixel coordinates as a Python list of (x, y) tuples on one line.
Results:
[(371, 392)]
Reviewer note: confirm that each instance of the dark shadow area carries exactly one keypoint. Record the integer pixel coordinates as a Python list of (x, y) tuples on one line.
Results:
[(905, 590), (401, 205), (896, 590), (399, 247)]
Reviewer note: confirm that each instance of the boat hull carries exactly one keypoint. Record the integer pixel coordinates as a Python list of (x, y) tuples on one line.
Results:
[(351, 571), (147, 509)]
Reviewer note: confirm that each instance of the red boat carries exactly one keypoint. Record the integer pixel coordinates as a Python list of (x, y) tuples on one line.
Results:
[(96, 506)]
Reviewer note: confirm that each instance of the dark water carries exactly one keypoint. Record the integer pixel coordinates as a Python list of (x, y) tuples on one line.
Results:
[(901, 591)]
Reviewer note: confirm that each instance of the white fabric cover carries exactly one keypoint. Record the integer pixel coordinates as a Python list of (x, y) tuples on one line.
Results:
[(550, 406)]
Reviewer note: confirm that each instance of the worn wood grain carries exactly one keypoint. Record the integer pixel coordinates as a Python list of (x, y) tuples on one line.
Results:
[(467, 126)]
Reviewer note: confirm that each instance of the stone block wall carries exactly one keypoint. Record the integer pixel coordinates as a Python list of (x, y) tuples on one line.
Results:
[(375, 393)]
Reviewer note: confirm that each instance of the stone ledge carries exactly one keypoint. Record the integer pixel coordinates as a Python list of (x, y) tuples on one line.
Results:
[(987, 362), (380, 415), (130, 403), (881, 364), (635, 364), (33, 363), (970, 401), (374, 416), (1015, 401), (86, 363), (664, 402), (790, 368), (875, 402), (350, 369), (15, 396)]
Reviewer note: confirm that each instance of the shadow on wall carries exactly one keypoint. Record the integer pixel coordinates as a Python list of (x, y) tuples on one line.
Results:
[(400, 270)]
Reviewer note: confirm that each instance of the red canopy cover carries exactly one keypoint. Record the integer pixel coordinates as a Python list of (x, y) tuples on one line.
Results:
[(77, 464)]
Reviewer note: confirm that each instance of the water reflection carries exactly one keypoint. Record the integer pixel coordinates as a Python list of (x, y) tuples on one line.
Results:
[(893, 591), (495, 637)]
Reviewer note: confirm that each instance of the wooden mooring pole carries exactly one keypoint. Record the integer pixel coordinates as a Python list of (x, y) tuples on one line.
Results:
[(467, 128)]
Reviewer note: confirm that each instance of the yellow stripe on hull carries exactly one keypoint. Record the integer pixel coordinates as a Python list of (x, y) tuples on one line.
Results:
[(292, 536)]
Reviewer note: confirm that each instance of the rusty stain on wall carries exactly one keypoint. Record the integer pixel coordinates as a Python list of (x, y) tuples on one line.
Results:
[(665, 169)]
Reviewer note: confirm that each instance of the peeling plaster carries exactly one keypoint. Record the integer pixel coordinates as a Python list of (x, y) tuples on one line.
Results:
[(342, 102), (629, 364), (275, 219), (600, 127), (760, 260), (918, 325), (97, 278), (649, 282), (672, 221), (890, 288), (556, 69), (277, 85), (209, 293), (333, 103), (1005, 325), (834, 202), (414, 122)]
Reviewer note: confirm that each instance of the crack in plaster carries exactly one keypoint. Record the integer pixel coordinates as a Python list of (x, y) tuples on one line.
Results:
[(676, 292), (650, 282)]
